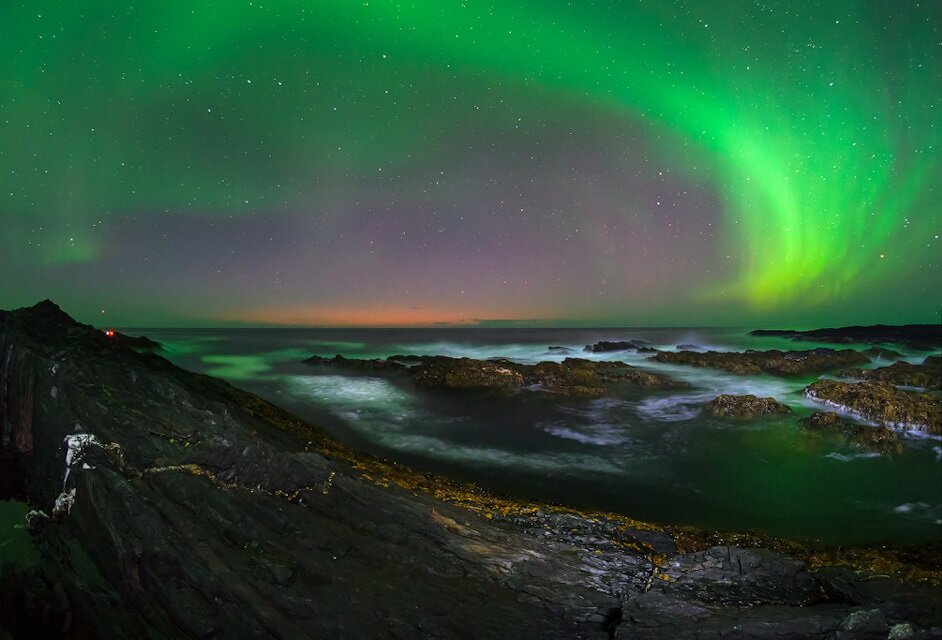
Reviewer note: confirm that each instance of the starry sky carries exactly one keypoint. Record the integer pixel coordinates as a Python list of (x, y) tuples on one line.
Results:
[(522, 162)]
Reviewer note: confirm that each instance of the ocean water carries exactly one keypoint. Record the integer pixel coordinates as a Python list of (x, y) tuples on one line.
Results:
[(651, 455)]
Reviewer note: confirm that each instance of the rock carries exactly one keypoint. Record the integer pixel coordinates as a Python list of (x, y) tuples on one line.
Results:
[(356, 365), (879, 439), (916, 336), (927, 375), (571, 377), (748, 406), (465, 373), (605, 346), (882, 403), (559, 351), (780, 363), (689, 347)]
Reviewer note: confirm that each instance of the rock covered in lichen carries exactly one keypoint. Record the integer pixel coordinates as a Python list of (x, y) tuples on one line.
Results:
[(775, 362), (466, 373), (880, 439), (571, 377), (745, 407), (882, 403), (927, 375)]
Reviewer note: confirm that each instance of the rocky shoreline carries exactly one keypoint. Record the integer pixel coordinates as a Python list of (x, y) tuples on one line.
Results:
[(174, 505), (915, 336)]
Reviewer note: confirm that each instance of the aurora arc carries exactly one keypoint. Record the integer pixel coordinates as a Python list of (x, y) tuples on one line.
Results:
[(823, 156)]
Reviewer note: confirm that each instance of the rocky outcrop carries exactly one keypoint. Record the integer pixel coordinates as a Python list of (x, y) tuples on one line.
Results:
[(927, 375), (916, 336), (571, 377), (559, 351), (605, 346), (745, 407), (882, 403), (197, 510), (879, 439), (779, 363)]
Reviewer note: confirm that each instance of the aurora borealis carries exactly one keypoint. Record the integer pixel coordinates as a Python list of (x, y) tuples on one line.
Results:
[(380, 162)]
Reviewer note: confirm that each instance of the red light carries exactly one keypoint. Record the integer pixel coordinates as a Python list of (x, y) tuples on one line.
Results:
[(110, 333)]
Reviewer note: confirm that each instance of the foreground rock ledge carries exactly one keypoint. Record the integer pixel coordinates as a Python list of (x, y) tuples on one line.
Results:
[(201, 511)]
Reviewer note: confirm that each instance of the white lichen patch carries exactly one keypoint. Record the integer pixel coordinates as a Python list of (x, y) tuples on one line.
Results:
[(76, 444), (64, 504)]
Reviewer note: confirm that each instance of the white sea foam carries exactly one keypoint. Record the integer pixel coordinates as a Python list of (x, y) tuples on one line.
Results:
[(602, 435), (490, 456), (853, 456), (675, 408)]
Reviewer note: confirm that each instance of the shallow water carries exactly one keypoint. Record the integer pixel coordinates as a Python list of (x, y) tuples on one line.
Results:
[(651, 455)]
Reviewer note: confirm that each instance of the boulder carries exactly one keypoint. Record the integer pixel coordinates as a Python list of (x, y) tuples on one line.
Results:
[(745, 407), (559, 351), (605, 346)]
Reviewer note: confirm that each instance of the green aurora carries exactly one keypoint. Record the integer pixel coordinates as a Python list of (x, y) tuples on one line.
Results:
[(813, 127)]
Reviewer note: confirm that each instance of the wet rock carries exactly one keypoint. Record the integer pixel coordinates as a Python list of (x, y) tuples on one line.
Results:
[(465, 373), (879, 439), (605, 346), (732, 576), (927, 375), (559, 351), (882, 403), (571, 377), (779, 363), (916, 336), (689, 347), (745, 407), (357, 365)]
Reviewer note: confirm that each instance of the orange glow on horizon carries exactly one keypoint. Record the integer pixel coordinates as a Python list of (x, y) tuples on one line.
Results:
[(315, 316)]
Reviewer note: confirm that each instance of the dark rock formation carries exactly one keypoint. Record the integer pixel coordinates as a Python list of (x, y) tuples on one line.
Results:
[(190, 509), (689, 347), (745, 407), (927, 375), (879, 439), (916, 336), (882, 403), (559, 351), (571, 377), (779, 363), (605, 346)]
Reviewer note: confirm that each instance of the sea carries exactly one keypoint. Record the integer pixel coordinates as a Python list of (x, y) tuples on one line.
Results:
[(651, 455)]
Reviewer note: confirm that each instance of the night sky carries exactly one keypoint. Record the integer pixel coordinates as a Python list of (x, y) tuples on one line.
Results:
[(742, 163)]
